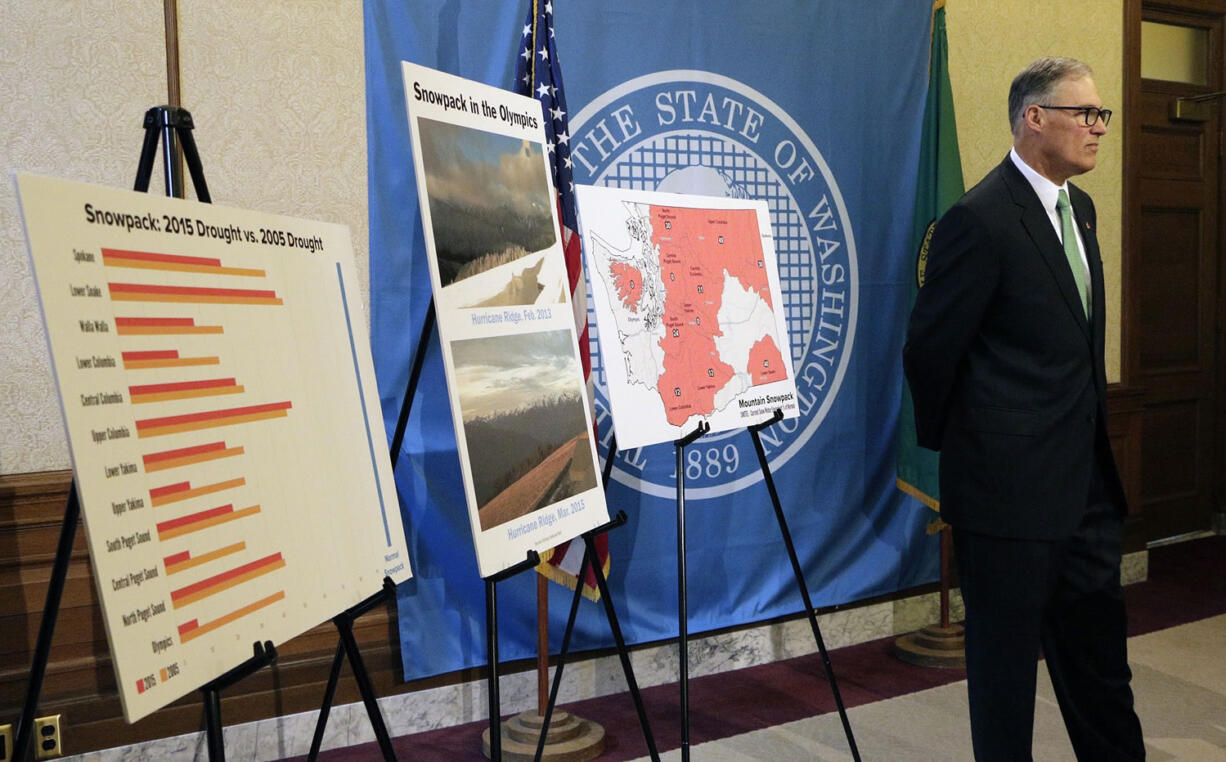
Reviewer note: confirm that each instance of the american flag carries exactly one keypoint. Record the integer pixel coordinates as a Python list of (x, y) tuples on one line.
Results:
[(539, 74)]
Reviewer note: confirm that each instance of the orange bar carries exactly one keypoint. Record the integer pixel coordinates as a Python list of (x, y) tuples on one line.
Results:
[(209, 415), (204, 591), (119, 290), (165, 330), (188, 460), (197, 425), (138, 399), (193, 629), (188, 563), (150, 261), (178, 362), (188, 268), (187, 494), (167, 534), (140, 297)]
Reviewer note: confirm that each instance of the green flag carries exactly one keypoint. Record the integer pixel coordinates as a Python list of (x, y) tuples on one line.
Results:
[(939, 186)]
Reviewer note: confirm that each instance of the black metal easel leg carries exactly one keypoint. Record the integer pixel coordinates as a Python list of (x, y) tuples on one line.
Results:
[(263, 654), (173, 125), (389, 591), (406, 404), (326, 708), (800, 578), (347, 646), (46, 629), (683, 633), (491, 689), (557, 674), (491, 647), (622, 652), (590, 558), (212, 724), (345, 625)]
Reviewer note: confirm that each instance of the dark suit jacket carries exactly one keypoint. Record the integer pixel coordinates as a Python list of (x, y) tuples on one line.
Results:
[(1005, 371)]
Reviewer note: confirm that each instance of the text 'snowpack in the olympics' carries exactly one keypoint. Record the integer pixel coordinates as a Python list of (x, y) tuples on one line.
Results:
[(523, 422), (689, 312), (224, 426)]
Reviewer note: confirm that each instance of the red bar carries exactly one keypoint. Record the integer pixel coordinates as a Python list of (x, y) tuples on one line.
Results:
[(174, 420), (121, 321), (140, 685), (157, 354), (180, 386), (169, 489), (183, 452), (187, 627), (194, 517), (177, 557), (217, 579), (140, 288), (151, 257)]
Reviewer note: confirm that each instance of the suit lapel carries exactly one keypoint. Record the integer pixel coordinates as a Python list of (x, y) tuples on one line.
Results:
[(1038, 226)]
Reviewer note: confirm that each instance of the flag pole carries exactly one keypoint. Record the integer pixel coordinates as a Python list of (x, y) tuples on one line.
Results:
[(542, 584), (938, 186), (542, 644)]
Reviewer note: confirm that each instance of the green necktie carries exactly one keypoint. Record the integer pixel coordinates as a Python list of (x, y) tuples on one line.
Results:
[(1069, 234)]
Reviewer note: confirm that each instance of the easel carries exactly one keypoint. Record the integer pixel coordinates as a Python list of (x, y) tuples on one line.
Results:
[(800, 576), (590, 557), (530, 562), (173, 126), (682, 613), (347, 646)]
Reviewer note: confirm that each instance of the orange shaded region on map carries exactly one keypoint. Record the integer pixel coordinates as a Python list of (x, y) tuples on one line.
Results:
[(765, 362), (696, 246), (629, 284)]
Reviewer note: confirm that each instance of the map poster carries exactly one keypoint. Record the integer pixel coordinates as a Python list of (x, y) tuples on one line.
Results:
[(689, 311), (223, 422), (519, 403)]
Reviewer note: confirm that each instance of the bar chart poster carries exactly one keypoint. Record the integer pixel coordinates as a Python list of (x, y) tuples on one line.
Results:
[(223, 422)]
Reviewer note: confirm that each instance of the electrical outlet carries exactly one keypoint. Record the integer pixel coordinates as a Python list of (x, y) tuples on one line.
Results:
[(47, 741), (6, 743)]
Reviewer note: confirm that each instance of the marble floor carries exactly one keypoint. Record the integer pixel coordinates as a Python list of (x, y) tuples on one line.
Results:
[(784, 710), (1179, 681)]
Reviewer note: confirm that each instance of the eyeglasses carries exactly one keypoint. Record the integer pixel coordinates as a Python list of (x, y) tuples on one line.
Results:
[(1088, 113)]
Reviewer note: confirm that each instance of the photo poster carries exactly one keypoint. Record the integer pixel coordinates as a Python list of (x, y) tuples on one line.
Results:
[(690, 316), (223, 423), (519, 403)]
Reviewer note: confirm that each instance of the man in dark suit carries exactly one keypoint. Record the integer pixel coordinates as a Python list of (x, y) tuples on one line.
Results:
[(1004, 357)]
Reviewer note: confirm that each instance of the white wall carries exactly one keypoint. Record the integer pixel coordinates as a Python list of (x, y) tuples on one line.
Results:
[(276, 89)]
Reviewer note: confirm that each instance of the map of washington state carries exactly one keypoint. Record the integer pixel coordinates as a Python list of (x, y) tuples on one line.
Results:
[(693, 306)]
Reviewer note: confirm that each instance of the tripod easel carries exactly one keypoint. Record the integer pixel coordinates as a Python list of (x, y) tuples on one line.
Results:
[(171, 125)]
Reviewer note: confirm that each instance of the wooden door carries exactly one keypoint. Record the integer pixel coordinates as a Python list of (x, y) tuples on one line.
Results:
[(1173, 272)]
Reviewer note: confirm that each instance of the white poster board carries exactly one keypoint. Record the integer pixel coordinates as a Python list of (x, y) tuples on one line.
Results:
[(519, 402), (689, 312), (225, 431)]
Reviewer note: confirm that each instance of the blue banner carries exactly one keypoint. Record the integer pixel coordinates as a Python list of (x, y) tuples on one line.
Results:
[(814, 106)]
